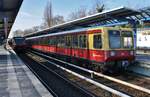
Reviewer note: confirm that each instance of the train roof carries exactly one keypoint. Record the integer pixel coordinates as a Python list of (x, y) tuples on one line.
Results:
[(76, 31), (61, 33)]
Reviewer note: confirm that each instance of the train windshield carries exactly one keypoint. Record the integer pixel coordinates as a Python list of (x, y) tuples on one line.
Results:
[(114, 39), (127, 39), (19, 41)]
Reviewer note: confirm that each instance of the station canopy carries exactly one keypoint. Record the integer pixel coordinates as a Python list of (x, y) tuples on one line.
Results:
[(117, 16), (8, 13)]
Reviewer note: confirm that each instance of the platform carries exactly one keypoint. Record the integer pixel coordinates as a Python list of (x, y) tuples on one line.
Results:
[(143, 57), (143, 65), (16, 80)]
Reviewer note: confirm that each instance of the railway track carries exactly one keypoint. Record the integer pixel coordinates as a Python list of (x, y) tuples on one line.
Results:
[(54, 82), (135, 78), (79, 82), (143, 59), (127, 89), (95, 90)]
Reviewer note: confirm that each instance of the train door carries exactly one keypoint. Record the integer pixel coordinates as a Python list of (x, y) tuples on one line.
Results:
[(74, 49), (68, 45), (56, 44), (83, 51), (95, 45)]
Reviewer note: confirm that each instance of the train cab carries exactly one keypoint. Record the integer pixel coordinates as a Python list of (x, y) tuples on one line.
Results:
[(18, 43), (112, 46)]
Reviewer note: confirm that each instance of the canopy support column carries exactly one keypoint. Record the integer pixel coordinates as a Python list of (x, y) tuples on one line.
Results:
[(6, 27), (134, 24)]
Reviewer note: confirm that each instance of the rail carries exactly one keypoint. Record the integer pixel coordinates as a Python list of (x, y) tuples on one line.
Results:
[(100, 75), (111, 90)]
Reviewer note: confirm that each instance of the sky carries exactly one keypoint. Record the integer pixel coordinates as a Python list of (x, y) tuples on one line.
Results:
[(31, 11)]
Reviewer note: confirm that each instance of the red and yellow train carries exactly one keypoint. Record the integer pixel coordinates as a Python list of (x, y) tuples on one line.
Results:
[(100, 48)]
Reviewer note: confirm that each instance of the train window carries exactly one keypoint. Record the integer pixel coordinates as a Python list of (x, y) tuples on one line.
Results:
[(43, 41), (68, 41), (127, 42), (62, 41), (82, 41), (127, 37), (58, 41), (46, 40), (65, 40), (54, 41), (126, 33), (75, 41), (40, 40), (50, 41), (114, 39), (97, 42), (33, 42)]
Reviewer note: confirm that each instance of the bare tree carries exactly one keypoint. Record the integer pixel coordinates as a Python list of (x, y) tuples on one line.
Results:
[(81, 12), (28, 31), (43, 26), (58, 20), (18, 33), (48, 14), (32, 30), (99, 6), (36, 28)]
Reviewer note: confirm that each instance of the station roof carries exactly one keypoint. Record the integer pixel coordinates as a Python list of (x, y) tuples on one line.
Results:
[(9, 10), (105, 18)]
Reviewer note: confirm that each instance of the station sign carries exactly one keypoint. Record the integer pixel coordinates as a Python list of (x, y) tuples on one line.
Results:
[(143, 38)]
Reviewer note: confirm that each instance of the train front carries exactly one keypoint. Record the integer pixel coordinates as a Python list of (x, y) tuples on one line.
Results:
[(120, 53), (18, 43)]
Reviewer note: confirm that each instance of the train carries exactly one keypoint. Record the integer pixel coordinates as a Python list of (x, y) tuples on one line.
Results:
[(17, 43), (104, 49)]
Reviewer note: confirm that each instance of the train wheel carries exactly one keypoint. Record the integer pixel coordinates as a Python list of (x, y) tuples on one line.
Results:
[(96, 68), (103, 69)]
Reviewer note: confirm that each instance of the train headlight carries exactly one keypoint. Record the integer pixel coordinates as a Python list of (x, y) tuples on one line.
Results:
[(131, 52), (112, 53)]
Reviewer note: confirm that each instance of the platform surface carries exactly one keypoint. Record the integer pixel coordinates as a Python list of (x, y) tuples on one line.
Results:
[(143, 66), (16, 79)]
